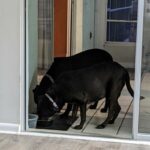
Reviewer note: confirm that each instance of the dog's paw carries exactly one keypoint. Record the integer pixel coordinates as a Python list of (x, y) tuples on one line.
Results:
[(78, 127), (103, 110), (101, 126), (92, 107), (69, 121), (111, 122), (63, 116)]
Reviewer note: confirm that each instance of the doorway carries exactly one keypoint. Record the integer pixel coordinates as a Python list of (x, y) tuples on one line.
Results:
[(123, 125)]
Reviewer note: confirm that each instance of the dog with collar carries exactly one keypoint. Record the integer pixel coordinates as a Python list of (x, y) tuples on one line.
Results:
[(62, 64), (84, 86)]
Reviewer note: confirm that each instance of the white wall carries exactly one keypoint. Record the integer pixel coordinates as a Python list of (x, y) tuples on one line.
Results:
[(9, 61)]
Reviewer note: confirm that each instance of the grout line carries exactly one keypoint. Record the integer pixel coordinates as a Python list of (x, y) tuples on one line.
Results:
[(93, 116), (124, 117)]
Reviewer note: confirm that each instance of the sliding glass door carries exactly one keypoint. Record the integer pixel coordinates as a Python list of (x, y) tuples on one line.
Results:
[(144, 105), (141, 113)]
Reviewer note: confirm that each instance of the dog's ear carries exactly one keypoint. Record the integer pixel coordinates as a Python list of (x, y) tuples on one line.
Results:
[(35, 89)]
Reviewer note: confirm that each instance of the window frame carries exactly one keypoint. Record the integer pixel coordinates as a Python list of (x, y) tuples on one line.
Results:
[(117, 43)]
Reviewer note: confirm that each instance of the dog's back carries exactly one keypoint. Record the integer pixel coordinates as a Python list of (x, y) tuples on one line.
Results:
[(93, 80), (78, 61)]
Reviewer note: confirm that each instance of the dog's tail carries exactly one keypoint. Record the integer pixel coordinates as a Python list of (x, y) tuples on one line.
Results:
[(128, 84)]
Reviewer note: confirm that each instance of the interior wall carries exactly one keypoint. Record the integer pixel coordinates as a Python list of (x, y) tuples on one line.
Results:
[(10, 61)]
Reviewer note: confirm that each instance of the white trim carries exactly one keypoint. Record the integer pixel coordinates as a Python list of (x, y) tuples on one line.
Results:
[(78, 32), (26, 66), (138, 64), (125, 44), (130, 21), (22, 65), (68, 26), (9, 127)]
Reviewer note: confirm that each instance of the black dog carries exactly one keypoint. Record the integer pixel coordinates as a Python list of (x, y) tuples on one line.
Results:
[(62, 64), (84, 86)]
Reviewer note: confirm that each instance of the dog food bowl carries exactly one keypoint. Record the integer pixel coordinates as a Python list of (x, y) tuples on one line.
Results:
[(32, 121)]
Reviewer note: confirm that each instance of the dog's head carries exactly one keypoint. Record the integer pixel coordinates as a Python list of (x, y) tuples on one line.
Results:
[(46, 107), (44, 85)]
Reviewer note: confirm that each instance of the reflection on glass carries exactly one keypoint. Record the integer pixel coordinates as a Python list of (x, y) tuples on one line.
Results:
[(144, 117), (45, 27), (122, 9), (121, 20), (121, 32)]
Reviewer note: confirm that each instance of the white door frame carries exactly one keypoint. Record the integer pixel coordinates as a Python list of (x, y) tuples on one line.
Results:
[(138, 65), (69, 12), (22, 66)]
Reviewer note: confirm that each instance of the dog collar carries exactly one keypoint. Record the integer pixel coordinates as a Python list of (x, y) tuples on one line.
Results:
[(49, 77), (52, 101)]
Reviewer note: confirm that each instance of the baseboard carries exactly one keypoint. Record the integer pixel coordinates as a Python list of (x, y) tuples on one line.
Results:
[(9, 127)]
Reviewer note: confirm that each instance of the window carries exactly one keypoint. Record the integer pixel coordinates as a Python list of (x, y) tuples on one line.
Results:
[(121, 20)]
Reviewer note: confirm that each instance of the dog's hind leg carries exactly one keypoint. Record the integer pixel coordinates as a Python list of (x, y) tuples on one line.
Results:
[(106, 106), (83, 116), (74, 111), (112, 114), (107, 100), (114, 108), (115, 113)]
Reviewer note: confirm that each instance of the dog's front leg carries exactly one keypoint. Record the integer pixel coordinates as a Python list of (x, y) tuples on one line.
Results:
[(106, 106), (83, 117), (66, 113), (74, 114)]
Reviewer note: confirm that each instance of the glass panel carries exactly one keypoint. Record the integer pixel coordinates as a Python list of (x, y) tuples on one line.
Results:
[(39, 46), (122, 127), (144, 117), (122, 9), (45, 33), (121, 32)]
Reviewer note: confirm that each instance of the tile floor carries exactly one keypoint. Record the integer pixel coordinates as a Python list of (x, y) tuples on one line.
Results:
[(122, 127)]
